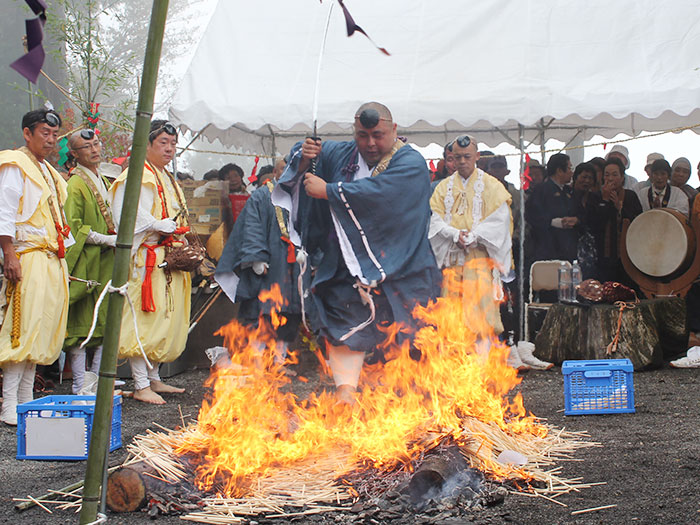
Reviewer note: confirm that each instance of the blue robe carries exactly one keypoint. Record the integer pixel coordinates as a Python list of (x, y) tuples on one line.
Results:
[(256, 237), (385, 219)]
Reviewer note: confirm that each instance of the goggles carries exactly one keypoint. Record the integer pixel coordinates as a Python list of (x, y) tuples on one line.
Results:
[(167, 128)]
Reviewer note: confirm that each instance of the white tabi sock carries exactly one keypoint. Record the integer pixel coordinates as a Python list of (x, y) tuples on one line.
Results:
[(11, 377), (25, 392)]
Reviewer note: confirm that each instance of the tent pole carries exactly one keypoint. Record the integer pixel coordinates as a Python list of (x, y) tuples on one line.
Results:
[(521, 255), (542, 141), (101, 430)]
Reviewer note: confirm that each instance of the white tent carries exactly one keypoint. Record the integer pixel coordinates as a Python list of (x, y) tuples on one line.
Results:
[(567, 68)]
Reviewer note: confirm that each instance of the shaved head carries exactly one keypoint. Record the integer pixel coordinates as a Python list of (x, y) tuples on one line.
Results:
[(74, 141), (372, 112), (375, 132)]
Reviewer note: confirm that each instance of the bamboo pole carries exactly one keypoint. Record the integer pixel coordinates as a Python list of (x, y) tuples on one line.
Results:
[(99, 441)]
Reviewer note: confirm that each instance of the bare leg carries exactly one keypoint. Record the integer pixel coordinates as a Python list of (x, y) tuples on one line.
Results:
[(346, 366), (157, 384), (142, 386)]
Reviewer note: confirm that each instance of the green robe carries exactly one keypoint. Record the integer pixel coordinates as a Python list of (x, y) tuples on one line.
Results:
[(86, 261)]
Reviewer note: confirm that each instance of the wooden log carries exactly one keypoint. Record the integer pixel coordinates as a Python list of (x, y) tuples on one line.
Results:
[(128, 487), (434, 472), (585, 331)]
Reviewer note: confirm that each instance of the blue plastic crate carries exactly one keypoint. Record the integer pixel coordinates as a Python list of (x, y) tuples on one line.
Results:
[(602, 386), (59, 427)]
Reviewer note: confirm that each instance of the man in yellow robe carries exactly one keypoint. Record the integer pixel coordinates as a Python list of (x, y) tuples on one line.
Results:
[(470, 230), (33, 237), (161, 297)]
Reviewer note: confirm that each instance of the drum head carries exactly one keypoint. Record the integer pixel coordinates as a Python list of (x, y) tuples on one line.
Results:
[(657, 243)]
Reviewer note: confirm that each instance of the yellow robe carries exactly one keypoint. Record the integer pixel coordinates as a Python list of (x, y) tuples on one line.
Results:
[(44, 284), (474, 281), (163, 333)]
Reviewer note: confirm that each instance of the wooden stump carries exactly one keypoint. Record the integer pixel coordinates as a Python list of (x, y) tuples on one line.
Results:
[(649, 331), (128, 487)]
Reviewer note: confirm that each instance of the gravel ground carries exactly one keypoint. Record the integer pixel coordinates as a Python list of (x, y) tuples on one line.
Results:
[(650, 460)]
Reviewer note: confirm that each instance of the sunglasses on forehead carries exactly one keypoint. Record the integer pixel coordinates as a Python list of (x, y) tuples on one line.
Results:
[(52, 120), (463, 141), (87, 134), (167, 128)]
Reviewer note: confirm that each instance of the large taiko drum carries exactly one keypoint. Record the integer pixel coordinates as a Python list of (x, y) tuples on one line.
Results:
[(661, 243)]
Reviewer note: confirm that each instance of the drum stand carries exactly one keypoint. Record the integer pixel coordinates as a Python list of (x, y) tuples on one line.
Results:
[(663, 286)]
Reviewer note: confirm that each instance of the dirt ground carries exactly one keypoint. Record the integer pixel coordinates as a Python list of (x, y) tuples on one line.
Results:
[(650, 460)]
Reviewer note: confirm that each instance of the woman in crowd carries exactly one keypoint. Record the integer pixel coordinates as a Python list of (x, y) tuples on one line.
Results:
[(606, 215), (584, 195)]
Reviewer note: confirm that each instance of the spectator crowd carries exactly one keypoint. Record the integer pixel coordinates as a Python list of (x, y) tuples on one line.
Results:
[(339, 226)]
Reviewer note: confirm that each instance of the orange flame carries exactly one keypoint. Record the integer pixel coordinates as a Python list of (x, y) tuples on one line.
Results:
[(253, 423)]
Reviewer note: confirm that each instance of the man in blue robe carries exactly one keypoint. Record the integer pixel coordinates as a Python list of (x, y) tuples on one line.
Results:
[(257, 255), (366, 209)]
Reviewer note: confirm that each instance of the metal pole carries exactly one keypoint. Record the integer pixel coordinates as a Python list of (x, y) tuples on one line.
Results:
[(101, 430), (521, 255)]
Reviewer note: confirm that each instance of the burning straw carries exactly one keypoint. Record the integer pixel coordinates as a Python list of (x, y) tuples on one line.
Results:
[(258, 449)]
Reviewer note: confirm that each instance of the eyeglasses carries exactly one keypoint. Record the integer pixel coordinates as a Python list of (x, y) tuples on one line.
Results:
[(167, 127), (89, 134)]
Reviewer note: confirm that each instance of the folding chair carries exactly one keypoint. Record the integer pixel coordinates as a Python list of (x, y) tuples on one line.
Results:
[(544, 275)]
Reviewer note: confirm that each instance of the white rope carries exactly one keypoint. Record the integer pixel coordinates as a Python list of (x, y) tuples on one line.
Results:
[(366, 296), (365, 241), (302, 261), (122, 290)]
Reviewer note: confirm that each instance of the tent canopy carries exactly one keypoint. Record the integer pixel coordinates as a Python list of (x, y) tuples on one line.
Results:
[(563, 67)]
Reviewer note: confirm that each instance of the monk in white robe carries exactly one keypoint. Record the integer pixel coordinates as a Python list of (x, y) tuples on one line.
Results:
[(470, 230)]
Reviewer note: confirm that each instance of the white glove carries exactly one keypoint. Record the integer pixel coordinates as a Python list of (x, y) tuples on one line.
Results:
[(166, 226), (101, 239), (260, 267)]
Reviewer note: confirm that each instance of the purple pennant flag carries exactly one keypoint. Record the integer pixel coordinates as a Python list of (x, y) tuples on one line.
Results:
[(352, 27), (29, 65)]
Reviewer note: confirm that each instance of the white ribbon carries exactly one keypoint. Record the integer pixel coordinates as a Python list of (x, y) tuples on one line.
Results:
[(101, 518), (122, 290), (366, 296), (302, 261)]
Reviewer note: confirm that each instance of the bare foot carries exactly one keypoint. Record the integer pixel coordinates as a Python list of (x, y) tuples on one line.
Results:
[(162, 388), (345, 394), (147, 395)]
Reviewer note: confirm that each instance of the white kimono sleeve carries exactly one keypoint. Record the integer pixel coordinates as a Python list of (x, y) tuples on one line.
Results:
[(443, 239), (493, 233)]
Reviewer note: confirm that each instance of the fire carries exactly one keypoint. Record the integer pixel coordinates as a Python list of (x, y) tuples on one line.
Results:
[(452, 382)]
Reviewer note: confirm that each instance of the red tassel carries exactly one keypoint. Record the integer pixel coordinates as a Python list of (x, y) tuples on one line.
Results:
[(253, 177), (60, 234), (147, 304), (525, 180), (291, 256), (61, 247)]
